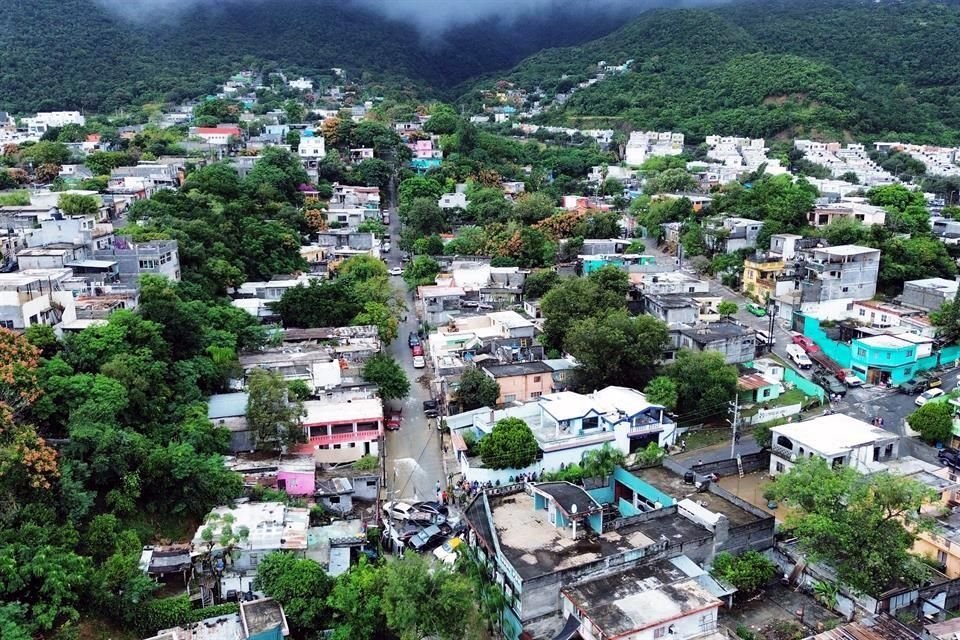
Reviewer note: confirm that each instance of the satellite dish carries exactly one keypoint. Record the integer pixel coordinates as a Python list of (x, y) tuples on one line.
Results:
[(573, 509)]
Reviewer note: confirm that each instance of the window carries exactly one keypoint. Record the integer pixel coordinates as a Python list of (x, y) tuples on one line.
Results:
[(779, 467), (254, 559), (861, 352), (536, 378), (591, 423), (765, 393), (336, 446), (659, 632), (838, 462), (910, 353), (941, 556), (845, 289), (371, 483), (149, 263), (334, 499), (536, 394), (510, 398), (6, 324), (863, 312)]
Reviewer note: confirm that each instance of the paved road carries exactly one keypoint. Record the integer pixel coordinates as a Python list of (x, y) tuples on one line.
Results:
[(414, 459)]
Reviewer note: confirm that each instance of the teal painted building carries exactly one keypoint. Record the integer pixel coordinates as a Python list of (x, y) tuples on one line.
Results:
[(621, 261), (888, 359)]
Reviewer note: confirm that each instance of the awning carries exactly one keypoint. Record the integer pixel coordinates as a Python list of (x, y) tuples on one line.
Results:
[(570, 629)]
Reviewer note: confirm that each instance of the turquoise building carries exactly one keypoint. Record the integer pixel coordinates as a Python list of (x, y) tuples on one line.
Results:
[(620, 260), (888, 359)]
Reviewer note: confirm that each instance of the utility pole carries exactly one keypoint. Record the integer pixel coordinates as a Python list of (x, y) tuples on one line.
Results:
[(772, 312), (735, 407)]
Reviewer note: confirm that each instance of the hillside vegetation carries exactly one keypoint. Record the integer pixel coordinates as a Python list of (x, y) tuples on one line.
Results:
[(819, 68), (73, 54)]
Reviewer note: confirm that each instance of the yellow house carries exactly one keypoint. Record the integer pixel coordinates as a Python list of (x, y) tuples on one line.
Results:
[(942, 545), (760, 276)]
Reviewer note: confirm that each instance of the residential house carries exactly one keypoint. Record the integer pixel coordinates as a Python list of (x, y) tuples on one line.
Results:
[(341, 244), (760, 275), (889, 358), (623, 261), (558, 551), (35, 296), (670, 282), (841, 160), (439, 304), (453, 201), (562, 372), (312, 147), (44, 120), (159, 257), (866, 214), (506, 335), (301, 84), (929, 293), (673, 309), (256, 298), (647, 602), (229, 411), (882, 315), (947, 630), (297, 476), (732, 234), (220, 135), (325, 359), (342, 430), (566, 426), (604, 246), (335, 495), (826, 281), (947, 229), (737, 343), (755, 387), (645, 144), (260, 619), (270, 526), (785, 245), (839, 439), (520, 381)]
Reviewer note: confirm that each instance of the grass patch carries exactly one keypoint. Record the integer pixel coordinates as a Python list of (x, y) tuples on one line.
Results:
[(14, 198), (706, 437)]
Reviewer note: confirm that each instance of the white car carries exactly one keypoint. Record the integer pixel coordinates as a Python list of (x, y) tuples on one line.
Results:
[(396, 271), (447, 553), (927, 396), (419, 362), (398, 511)]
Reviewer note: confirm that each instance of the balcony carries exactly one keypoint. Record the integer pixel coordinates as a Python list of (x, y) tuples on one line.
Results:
[(781, 451)]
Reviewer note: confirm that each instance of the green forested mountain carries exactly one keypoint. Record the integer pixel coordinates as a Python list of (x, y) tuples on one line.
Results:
[(60, 54), (816, 68)]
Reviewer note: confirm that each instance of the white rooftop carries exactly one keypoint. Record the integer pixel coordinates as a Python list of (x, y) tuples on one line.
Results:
[(321, 412), (834, 433), (269, 526), (935, 283), (847, 250)]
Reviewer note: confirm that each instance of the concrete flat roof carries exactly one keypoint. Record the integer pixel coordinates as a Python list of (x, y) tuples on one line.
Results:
[(835, 433), (361, 409), (672, 484), (640, 598)]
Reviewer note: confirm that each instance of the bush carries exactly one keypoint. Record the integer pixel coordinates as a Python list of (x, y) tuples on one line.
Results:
[(367, 463), (164, 613), (747, 572)]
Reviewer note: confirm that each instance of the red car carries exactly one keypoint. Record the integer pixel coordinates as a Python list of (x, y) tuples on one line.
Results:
[(418, 350), (805, 343), (393, 420)]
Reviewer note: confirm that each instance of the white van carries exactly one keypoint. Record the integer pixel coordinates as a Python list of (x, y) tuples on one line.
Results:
[(764, 338), (799, 356)]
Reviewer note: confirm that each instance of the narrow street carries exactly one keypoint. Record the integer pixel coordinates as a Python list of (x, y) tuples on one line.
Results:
[(414, 458)]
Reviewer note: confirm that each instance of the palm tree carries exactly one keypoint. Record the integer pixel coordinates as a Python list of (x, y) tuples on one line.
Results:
[(600, 463)]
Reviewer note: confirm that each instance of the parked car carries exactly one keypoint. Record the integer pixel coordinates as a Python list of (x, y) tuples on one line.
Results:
[(417, 349), (431, 408), (910, 387), (850, 378), (431, 507), (413, 339), (949, 456), (397, 511), (932, 379), (805, 343), (386, 247), (393, 420), (927, 396), (447, 552), (756, 309), (396, 271), (427, 537), (799, 356), (419, 362), (831, 384)]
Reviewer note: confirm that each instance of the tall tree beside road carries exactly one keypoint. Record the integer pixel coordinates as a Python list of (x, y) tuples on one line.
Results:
[(862, 525), (705, 383), (476, 390), (420, 600), (727, 308), (273, 417), (380, 316), (75, 204), (934, 422), (418, 187), (388, 375), (947, 318), (421, 271), (581, 298), (510, 445), (319, 304), (539, 282), (357, 602), (615, 349)]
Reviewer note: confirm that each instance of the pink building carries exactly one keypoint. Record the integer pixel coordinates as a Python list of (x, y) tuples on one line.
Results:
[(424, 149), (340, 431), (297, 476), (521, 381)]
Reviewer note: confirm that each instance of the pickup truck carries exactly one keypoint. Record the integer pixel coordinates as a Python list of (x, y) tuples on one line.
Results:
[(799, 356), (831, 384)]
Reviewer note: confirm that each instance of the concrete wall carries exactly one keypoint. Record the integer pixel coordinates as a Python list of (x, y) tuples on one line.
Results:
[(759, 461)]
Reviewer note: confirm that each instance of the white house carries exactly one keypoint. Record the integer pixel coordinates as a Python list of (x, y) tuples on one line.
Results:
[(47, 119), (838, 439), (312, 147), (453, 201), (301, 84)]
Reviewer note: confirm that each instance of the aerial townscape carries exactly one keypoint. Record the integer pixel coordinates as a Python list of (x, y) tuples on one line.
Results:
[(479, 320)]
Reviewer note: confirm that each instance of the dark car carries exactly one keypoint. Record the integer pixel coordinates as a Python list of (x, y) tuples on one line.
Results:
[(831, 384), (427, 537), (413, 339), (931, 379), (949, 456), (431, 507), (913, 387), (431, 408)]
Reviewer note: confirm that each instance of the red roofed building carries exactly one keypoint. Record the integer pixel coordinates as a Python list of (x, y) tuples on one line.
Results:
[(217, 135)]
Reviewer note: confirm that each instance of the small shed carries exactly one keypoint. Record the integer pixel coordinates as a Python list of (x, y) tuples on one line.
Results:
[(335, 495)]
